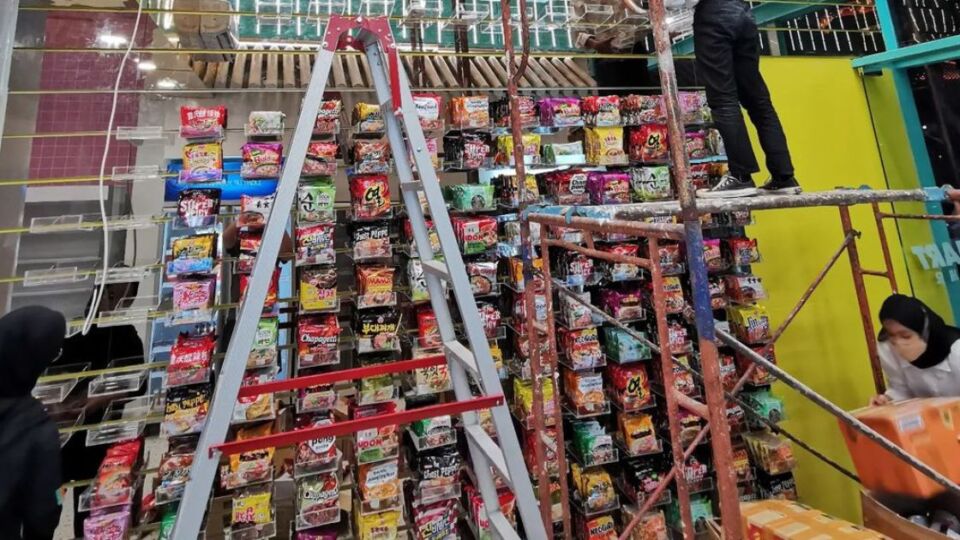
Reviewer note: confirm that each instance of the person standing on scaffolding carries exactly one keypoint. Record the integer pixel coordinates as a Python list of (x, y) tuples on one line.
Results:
[(727, 47)]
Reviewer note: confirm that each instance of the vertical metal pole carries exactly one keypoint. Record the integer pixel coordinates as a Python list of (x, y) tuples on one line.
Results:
[(709, 363), (673, 410), (885, 247), (8, 30), (864, 303), (205, 461), (13, 204)]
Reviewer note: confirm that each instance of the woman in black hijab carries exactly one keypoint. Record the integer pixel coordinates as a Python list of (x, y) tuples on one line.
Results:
[(30, 340), (919, 352)]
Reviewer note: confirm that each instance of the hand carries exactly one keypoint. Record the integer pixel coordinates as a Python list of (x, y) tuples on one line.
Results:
[(880, 399), (601, 46)]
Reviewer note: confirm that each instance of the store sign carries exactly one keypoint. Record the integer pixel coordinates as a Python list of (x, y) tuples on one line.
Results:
[(943, 259)]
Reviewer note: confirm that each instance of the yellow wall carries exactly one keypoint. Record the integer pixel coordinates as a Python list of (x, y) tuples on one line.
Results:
[(825, 114)]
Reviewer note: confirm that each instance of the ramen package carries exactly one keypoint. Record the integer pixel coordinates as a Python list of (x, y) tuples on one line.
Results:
[(260, 160), (257, 407), (367, 118), (193, 295), (192, 254), (569, 187), (370, 196), (599, 528), (379, 526), (622, 303), (500, 110), (490, 317), (436, 521), (252, 509), (379, 481), (475, 234), (530, 144), (318, 498), (623, 347), (582, 348), (248, 467), (750, 323), (264, 350), (560, 112), (650, 183), (432, 379), (742, 251), (471, 197), (371, 241), (428, 331), (185, 409), (638, 433), (673, 295), (371, 156), (512, 193), (483, 277), (466, 150), (441, 466), (190, 359), (576, 268), (377, 331), (416, 281), (594, 487), (321, 159), (693, 107), (575, 314), (320, 397), (695, 144), (679, 338), (429, 110), (318, 339), (601, 110), (202, 162), (315, 244), (196, 206), (315, 454), (254, 211), (604, 146), (620, 271), (107, 526), (585, 390), (631, 385), (249, 247), (648, 143), (671, 258), (468, 112), (713, 255), (202, 122), (643, 109), (264, 124), (173, 473), (328, 118), (318, 288), (744, 289), (609, 187), (375, 286), (315, 202)]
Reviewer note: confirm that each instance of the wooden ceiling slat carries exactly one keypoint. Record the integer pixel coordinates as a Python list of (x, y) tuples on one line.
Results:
[(239, 70), (256, 71), (532, 77), (365, 71), (223, 73), (339, 75), (445, 72), (476, 76), (353, 69), (210, 75), (433, 78), (536, 67), (305, 71), (575, 69), (492, 72), (558, 76), (289, 73), (273, 70)]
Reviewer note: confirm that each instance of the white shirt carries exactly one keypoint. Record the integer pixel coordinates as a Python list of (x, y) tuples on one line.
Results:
[(904, 381)]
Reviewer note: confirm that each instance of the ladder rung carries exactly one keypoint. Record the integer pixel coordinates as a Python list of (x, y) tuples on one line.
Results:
[(416, 185), (464, 355), (502, 525), (490, 450), (436, 267)]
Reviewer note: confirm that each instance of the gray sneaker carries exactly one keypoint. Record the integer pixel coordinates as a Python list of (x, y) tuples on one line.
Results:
[(729, 187), (781, 186)]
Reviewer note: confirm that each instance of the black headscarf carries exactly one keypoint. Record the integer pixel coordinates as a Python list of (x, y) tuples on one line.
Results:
[(30, 339), (916, 316)]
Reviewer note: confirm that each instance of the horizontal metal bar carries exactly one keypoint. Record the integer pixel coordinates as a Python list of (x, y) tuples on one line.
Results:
[(341, 375), (874, 273), (352, 426), (670, 231), (339, 90), (836, 197), (916, 55), (597, 254), (931, 217), (97, 372)]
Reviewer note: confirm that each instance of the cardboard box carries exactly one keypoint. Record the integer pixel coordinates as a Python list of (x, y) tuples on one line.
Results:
[(879, 515)]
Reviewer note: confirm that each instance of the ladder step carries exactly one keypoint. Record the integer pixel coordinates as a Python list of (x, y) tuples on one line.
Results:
[(416, 185), (490, 450), (437, 268), (502, 525), (464, 355)]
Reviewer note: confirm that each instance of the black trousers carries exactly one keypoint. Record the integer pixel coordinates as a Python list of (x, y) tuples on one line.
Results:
[(728, 64)]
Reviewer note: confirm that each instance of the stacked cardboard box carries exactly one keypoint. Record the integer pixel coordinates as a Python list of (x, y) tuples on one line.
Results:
[(788, 520)]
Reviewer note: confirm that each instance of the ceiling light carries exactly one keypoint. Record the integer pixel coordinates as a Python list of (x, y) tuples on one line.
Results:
[(111, 40), (167, 83), (146, 65)]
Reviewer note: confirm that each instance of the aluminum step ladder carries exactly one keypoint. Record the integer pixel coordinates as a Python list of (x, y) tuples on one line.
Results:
[(374, 37)]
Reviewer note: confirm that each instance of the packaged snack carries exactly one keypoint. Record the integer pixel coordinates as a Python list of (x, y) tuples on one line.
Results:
[(750, 323), (190, 359), (196, 206), (193, 295), (574, 314), (692, 107), (252, 509), (371, 156), (639, 435), (264, 350), (624, 303), (317, 497), (202, 122), (370, 196), (679, 338), (250, 240), (436, 521), (742, 251), (471, 197), (427, 329), (560, 112), (433, 432), (644, 109), (254, 211), (512, 193), (321, 159), (604, 146), (376, 389), (375, 281), (591, 442), (563, 153), (416, 281), (712, 255), (379, 526), (620, 271), (531, 149), (609, 187), (523, 397), (715, 146), (500, 110), (371, 241), (539, 306), (192, 254), (700, 175), (261, 160), (594, 488), (185, 409), (431, 235), (328, 118), (490, 317), (317, 341), (569, 187), (258, 407), (744, 289), (631, 386), (377, 331), (728, 371), (600, 528), (695, 144), (378, 480), (315, 454), (601, 111), (548, 436), (468, 112), (648, 143), (113, 526), (760, 376), (476, 234), (431, 380), (320, 397), (466, 150), (582, 348), (315, 244), (202, 162), (671, 259), (622, 347), (770, 453), (367, 118), (248, 467), (483, 277), (264, 123), (585, 390), (673, 295), (173, 473), (650, 183), (440, 466), (315, 202), (429, 107)]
